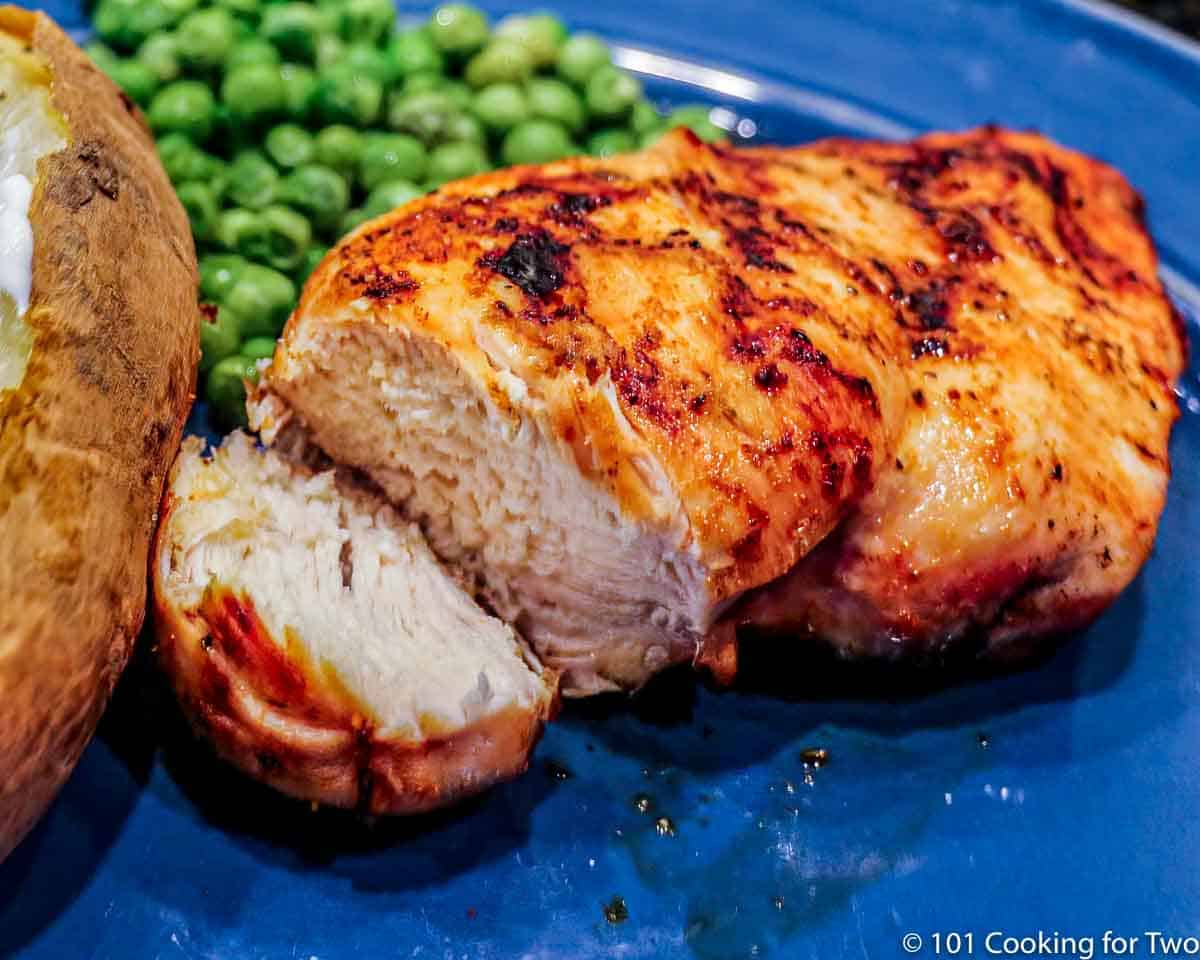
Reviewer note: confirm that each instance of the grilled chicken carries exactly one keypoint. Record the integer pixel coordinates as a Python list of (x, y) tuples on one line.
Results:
[(313, 638), (1025, 486), (895, 396)]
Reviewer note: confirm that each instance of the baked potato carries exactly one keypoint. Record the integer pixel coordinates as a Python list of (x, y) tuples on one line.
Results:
[(98, 352)]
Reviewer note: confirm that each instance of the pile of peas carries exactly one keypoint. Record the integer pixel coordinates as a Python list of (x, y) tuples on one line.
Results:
[(283, 125)]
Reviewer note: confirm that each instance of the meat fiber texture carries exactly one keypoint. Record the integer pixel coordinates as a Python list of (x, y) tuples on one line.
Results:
[(312, 636)]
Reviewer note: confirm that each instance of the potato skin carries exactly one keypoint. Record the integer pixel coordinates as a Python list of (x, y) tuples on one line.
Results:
[(87, 437)]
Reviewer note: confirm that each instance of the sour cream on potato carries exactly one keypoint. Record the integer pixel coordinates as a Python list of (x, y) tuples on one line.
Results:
[(31, 130)]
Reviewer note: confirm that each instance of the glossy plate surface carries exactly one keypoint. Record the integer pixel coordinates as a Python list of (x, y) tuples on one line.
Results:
[(1060, 799)]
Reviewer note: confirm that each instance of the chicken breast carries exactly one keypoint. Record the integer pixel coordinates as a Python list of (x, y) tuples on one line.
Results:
[(1025, 488), (314, 639), (627, 394)]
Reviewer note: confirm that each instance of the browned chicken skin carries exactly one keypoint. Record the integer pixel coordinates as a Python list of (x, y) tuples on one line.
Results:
[(1024, 490), (888, 394)]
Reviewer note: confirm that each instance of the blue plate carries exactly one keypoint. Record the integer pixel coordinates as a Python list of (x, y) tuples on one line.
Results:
[(1061, 799)]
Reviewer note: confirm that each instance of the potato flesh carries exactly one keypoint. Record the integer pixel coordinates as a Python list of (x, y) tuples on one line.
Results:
[(29, 130)]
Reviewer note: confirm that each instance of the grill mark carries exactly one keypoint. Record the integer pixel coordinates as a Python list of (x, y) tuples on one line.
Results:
[(930, 305), (1079, 245), (535, 262), (375, 282), (640, 385), (963, 236), (770, 378)]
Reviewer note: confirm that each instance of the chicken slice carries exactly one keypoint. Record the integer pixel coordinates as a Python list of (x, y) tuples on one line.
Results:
[(312, 636)]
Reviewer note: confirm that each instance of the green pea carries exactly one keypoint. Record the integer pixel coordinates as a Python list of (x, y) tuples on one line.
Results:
[(458, 93), (643, 117), (152, 17), (183, 160), (225, 389), (239, 230), (351, 219), (262, 298), (174, 10), (537, 141), (330, 50), (205, 38), (258, 348), (294, 28), (540, 33), (318, 192), (253, 180), (289, 146), (453, 161), (420, 83), (426, 116), (309, 262), (611, 93), (696, 118), (218, 273), (254, 92), (120, 23), (284, 237), (369, 61), (339, 148), (299, 89), (102, 54), (389, 195), (254, 51), (344, 96), (391, 156), (464, 128), (135, 78), (160, 53), (220, 183), (458, 29), (220, 334), (201, 206), (245, 11), (367, 21), (501, 61), (501, 106), (580, 57), (414, 51), (185, 106), (551, 99), (611, 141)]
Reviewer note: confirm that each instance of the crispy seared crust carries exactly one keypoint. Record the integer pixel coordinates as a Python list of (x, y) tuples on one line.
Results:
[(655, 320), (802, 338), (286, 724), (1025, 489), (86, 439)]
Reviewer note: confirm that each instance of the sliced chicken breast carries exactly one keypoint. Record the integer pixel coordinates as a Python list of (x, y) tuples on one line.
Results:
[(598, 394), (314, 639), (931, 383)]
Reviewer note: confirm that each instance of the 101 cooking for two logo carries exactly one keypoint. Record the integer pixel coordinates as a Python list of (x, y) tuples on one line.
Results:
[(1001, 943)]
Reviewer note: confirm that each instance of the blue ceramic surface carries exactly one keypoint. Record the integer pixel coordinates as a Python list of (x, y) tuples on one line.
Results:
[(1059, 799)]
